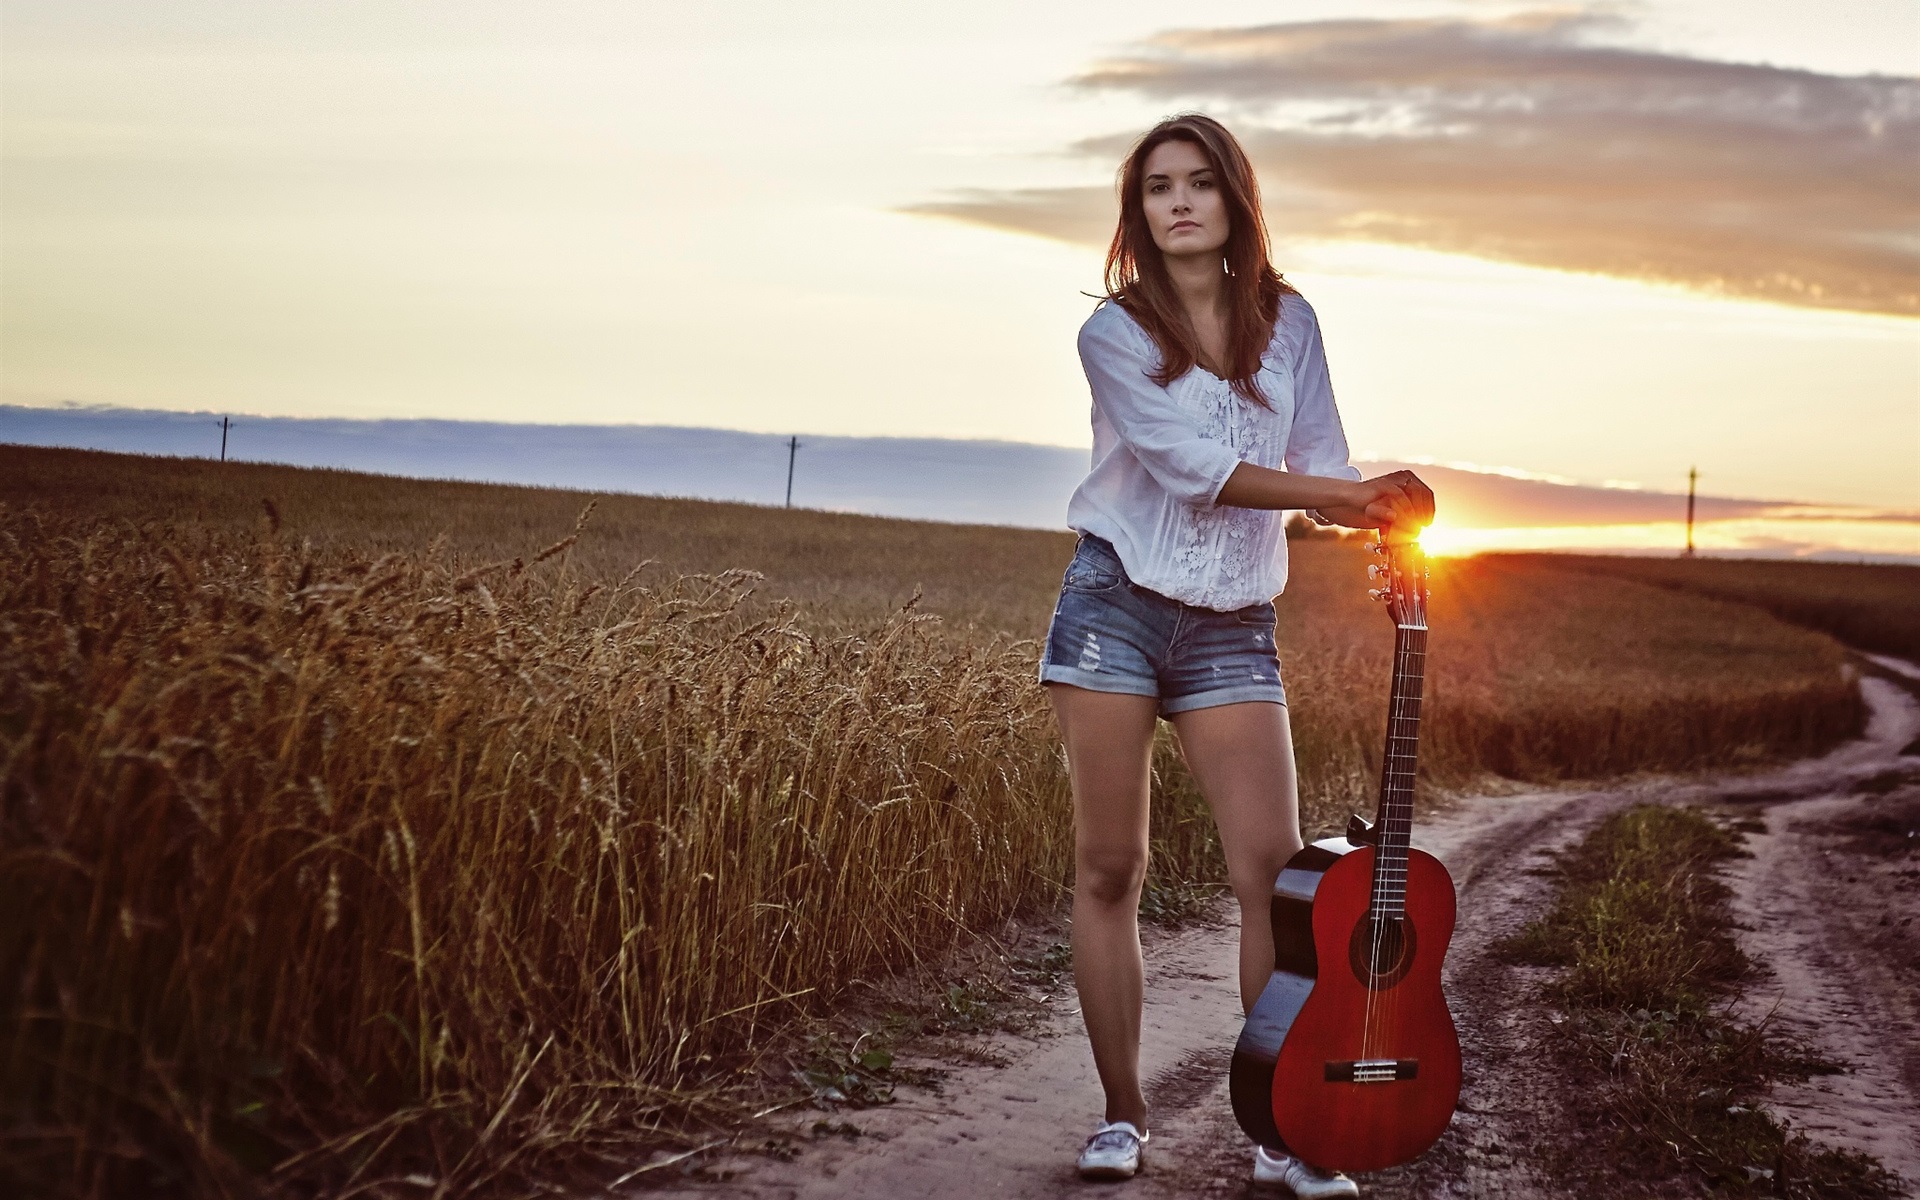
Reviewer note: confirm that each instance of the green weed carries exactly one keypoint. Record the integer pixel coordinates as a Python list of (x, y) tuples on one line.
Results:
[(1641, 928)]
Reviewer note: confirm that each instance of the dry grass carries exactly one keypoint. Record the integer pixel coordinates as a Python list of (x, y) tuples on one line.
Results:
[(1874, 607), (453, 870), (350, 857), (1536, 674), (841, 571)]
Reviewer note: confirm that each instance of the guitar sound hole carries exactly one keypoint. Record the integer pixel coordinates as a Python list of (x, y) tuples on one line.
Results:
[(1381, 952)]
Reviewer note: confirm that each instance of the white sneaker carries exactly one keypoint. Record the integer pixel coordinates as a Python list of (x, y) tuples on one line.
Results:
[(1113, 1152), (1308, 1183)]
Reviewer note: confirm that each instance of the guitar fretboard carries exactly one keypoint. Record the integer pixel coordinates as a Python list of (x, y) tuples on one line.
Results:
[(1393, 822)]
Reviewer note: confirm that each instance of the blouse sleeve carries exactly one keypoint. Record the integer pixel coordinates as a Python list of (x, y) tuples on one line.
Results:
[(1317, 445), (1191, 467)]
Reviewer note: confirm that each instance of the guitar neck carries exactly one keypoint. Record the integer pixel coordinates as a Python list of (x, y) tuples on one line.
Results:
[(1393, 823)]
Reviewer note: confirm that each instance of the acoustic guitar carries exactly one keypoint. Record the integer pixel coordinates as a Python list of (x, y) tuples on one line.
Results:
[(1349, 1060)]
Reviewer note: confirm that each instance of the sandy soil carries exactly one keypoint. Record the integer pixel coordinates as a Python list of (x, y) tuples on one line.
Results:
[(1011, 1130), (1829, 902)]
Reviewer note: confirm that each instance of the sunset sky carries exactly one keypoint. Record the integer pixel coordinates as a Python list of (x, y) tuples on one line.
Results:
[(1595, 244)]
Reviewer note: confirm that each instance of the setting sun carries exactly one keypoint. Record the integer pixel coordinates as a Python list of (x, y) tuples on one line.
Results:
[(1441, 540)]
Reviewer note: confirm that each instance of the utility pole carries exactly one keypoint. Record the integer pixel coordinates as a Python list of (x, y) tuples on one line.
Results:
[(793, 448), (223, 439), (1693, 475)]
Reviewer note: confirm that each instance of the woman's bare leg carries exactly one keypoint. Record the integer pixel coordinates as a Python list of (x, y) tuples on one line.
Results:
[(1109, 740), (1242, 757)]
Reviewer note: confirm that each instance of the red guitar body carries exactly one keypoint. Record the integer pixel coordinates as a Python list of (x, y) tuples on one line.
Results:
[(1320, 1111), (1349, 1060)]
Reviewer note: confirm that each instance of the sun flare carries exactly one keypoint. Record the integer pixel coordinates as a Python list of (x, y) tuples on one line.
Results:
[(1440, 540)]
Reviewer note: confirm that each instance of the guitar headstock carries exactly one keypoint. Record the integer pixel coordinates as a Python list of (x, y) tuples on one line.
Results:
[(1403, 575)]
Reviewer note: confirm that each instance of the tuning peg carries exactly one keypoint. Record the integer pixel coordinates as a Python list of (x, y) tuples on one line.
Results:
[(1377, 593), (1375, 570), (1372, 547)]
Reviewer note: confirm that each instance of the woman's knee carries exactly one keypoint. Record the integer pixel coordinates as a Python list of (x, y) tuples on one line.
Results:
[(1110, 875), (1252, 879)]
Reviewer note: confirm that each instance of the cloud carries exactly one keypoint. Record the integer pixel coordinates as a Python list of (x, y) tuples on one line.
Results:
[(1524, 139), (1493, 496)]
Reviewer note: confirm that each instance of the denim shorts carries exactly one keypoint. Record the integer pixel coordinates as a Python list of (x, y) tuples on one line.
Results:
[(1109, 634)]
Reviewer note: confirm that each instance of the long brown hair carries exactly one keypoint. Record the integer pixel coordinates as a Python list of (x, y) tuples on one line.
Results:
[(1137, 278)]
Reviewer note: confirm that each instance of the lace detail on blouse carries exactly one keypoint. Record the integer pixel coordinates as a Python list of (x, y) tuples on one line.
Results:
[(1161, 455), (1222, 541)]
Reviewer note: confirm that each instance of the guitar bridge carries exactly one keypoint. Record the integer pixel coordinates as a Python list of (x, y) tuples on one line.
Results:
[(1373, 1070)]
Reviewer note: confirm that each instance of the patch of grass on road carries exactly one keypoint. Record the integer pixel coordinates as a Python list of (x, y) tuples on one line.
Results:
[(1641, 926)]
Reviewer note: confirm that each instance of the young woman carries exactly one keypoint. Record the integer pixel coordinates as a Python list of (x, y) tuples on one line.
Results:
[(1212, 411)]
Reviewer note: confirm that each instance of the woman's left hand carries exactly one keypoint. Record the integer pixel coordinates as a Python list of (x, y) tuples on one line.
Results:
[(1404, 499)]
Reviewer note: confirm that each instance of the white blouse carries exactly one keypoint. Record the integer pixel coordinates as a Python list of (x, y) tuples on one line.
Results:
[(1161, 455)]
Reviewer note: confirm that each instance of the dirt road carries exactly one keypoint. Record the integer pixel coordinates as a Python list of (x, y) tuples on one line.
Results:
[(1013, 1130), (1829, 900)]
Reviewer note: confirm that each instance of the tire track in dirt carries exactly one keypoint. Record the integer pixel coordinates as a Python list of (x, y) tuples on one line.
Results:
[(1013, 1130), (1833, 924)]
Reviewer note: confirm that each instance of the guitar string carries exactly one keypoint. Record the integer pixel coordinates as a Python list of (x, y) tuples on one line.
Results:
[(1409, 719), (1383, 842), (1383, 838), (1384, 845), (1406, 722), (1391, 840), (1377, 1019), (1381, 1021)]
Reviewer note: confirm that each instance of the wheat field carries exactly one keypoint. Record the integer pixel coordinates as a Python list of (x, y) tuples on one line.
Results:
[(373, 830), (1873, 607)]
